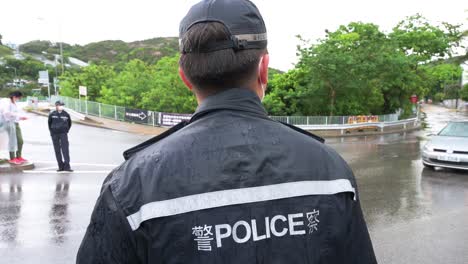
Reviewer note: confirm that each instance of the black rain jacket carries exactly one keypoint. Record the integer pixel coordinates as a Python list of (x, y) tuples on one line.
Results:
[(230, 186), (59, 122)]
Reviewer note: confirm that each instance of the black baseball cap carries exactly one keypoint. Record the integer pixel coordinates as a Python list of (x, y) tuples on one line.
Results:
[(59, 103), (16, 94), (240, 17)]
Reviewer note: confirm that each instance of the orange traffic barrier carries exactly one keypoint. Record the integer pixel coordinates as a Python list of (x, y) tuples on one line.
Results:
[(363, 119)]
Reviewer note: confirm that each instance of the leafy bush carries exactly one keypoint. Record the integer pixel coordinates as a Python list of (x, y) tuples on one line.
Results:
[(439, 97), (464, 93), (5, 51)]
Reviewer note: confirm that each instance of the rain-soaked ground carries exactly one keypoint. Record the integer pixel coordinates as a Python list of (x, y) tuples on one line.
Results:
[(414, 215)]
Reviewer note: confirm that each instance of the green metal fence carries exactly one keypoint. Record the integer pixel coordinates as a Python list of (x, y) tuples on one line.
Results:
[(327, 120), (118, 113)]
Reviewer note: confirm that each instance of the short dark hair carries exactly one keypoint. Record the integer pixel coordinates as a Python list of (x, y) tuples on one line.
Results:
[(218, 70), (16, 94)]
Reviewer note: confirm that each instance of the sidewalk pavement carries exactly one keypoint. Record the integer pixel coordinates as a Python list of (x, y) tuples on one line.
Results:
[(112, 124), (154, 131), (5, 167), (124, 126), (439, 109)]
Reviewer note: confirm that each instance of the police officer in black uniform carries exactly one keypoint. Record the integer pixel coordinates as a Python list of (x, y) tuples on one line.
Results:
[(59, 126), (231, 185)]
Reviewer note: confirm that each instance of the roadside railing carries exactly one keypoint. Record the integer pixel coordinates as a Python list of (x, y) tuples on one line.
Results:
[(153, 118), (381, 127), (327, 120)]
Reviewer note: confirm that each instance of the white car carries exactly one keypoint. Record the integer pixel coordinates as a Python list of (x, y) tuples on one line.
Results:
[(449, 148)]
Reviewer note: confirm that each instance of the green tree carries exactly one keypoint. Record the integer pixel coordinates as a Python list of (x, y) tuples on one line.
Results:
[(423, 41), (35, 47), (272, 72), (27, 69), (284, 95), (443, 78), (94, 77), (168, 93), (342, 74), (128, 86), (156, 87), (358, 69), (439, 97), (464, 93)]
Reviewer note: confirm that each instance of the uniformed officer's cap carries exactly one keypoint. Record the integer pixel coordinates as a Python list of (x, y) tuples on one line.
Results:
[(240, 17), (59, 103)]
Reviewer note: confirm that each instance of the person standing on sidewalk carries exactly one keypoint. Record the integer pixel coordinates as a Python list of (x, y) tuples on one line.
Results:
[(59, 126), (12, 117)]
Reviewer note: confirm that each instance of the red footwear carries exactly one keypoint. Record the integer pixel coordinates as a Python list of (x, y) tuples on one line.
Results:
[(15, 162), (20, 159)]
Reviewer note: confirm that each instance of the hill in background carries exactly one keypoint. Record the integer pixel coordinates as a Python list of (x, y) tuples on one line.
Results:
[(112, 52), (26, 61), (5, 51)]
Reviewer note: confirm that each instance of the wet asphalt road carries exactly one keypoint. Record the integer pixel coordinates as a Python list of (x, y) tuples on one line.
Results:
[(414, 215)]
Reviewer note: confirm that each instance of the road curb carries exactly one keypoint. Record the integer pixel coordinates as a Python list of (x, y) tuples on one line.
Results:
[(364, 134), (146, 130), (322, 133), (8, 168), (91, 124)]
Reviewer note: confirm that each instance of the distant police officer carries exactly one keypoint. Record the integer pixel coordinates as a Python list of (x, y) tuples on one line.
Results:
[(230, 185), (59, 126)]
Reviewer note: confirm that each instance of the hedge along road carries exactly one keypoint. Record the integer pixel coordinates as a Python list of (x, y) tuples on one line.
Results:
[(414, 215)]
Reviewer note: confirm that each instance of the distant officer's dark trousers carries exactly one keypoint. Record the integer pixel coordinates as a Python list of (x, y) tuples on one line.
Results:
[(61, 148)]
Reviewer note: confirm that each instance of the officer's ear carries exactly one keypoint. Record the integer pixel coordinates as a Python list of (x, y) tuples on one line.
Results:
[(185, 79), (263, 69)]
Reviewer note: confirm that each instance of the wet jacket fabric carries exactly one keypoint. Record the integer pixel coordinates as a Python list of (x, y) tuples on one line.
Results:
[(59, 122), (230, 186)]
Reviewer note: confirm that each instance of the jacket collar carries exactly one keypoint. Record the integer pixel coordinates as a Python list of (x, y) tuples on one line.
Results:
[(236, 99)]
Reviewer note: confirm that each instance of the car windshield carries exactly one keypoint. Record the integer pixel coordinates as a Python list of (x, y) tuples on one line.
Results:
[(455, 130)]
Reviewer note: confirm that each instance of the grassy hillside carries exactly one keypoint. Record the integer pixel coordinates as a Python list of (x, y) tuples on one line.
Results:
[(113, 52), (5, 51)]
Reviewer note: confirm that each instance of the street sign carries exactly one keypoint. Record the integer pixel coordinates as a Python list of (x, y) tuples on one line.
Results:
[(136, 115), (83, 90), (36, 92), (173, 119), (43, 77)]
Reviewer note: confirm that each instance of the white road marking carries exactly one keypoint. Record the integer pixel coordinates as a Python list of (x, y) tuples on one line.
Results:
[(45, 169), (79, 164)]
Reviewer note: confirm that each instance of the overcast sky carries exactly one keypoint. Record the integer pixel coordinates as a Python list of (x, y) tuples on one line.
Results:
[(85, 21)]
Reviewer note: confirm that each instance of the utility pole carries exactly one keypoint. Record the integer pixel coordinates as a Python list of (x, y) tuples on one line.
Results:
[(56, 74), (461, 86), (61, 57)]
